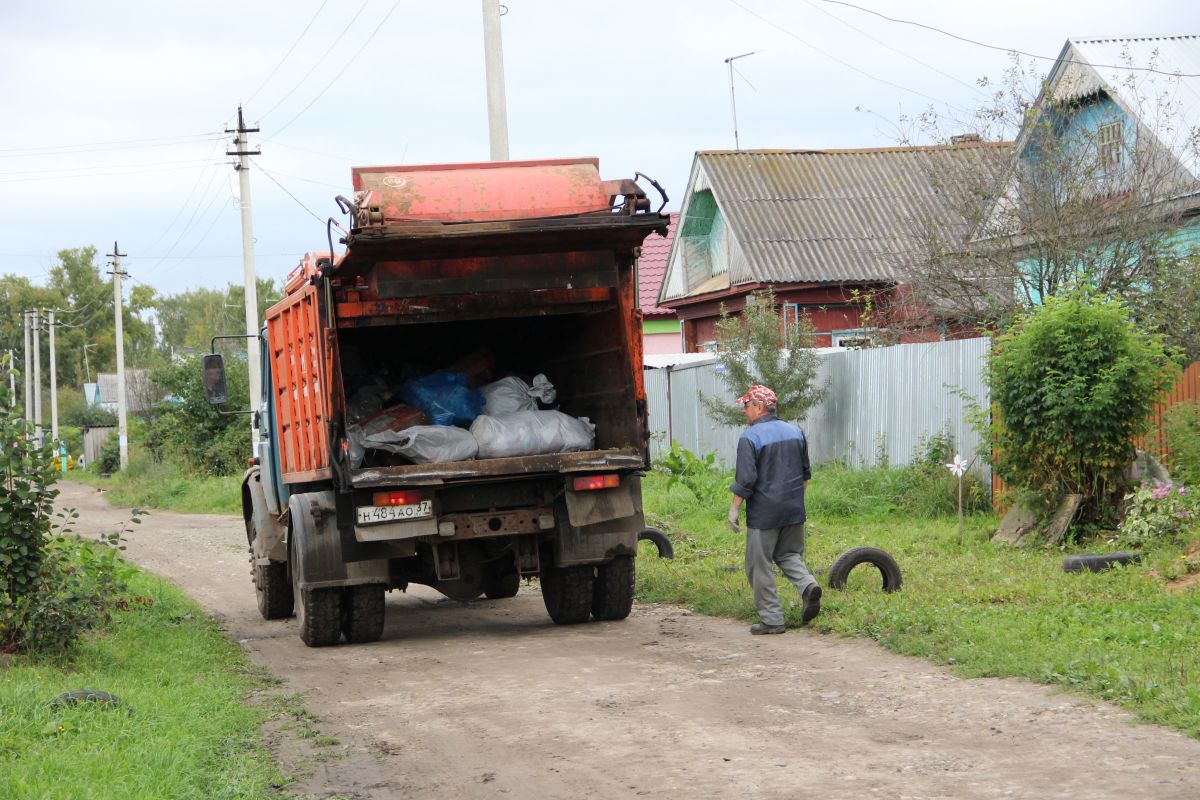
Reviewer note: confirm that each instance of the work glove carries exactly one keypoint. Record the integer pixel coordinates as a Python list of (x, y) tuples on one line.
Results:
[(733, 519)]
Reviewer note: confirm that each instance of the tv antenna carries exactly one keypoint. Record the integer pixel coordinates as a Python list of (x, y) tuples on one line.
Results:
[(732, 98)]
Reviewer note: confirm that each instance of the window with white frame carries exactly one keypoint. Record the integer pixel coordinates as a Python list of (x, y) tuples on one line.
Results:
[(1109, 146)]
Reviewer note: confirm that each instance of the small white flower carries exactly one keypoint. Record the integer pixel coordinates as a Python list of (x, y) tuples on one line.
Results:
[(959, 467)]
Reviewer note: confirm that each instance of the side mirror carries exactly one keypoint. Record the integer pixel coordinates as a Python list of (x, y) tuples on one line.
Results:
[(215, 391)]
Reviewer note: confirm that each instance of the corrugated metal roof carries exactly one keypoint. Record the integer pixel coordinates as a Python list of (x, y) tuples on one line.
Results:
[(1169, 95), (652, 266), (832, 216)]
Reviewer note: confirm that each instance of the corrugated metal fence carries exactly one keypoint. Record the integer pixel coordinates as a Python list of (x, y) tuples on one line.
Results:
[(880, 401)]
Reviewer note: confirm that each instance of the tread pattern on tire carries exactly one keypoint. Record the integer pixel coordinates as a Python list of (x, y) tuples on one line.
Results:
[(881, 559), (363, 611), (273, 590), (320, 616), (612, 591), (567, 592)]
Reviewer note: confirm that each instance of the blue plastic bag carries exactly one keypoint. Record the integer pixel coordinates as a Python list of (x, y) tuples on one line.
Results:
[(444, 397)]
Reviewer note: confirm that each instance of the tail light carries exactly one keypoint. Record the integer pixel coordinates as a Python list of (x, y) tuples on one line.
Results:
[(407, 497), (590, 482)]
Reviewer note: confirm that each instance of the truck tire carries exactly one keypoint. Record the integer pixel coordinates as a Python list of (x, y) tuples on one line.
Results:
[(888, 568), (567, 592), (363, 612), (274, 590), (1098, 562), (612, 591), (499, 587), (318, 611)]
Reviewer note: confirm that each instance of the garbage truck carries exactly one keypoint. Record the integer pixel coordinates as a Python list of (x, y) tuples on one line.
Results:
[(455, 400)]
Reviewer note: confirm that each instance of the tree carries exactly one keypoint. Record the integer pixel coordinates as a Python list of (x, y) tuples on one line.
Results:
[(1073, 383), (187, 430), (757, 347), (1089, 200), (189, 320)]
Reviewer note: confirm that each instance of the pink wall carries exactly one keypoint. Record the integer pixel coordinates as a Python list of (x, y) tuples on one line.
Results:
[(662, 343)]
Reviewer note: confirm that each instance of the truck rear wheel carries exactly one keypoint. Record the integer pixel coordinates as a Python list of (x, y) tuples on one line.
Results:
[(612, 593), (318, 611), (567, 592), (363, 612)]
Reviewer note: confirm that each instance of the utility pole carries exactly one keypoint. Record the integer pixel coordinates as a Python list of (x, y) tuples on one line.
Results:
[(493, 57), (12, 380), (53, 386), (732, 99), (28, 375), (37, 379), (122, 419), (240, 149)]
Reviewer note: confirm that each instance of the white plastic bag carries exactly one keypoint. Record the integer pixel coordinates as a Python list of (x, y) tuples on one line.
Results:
[(528, 433), (426, 444), (510, 395)]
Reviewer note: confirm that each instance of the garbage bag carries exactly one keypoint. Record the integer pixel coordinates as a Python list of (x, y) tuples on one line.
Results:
[(444, 397), (510, 395), (426, 444), (396, 418), (528, 433), (365, 402)]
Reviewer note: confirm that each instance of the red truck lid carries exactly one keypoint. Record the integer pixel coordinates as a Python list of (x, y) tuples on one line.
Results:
[(485, 191)]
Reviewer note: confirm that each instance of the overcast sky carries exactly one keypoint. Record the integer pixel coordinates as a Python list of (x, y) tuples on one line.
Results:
[(115, 111)]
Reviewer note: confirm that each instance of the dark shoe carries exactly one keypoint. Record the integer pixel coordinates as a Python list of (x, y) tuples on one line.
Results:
[(760, 628), (812, 604)]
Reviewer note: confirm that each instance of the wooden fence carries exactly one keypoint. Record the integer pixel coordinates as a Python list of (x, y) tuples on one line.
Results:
[(1187, 388)]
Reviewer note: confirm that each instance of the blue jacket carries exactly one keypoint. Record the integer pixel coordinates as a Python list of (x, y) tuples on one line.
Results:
[(772, 466)]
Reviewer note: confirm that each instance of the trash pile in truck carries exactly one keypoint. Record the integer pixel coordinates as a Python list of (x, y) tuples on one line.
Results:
[(456, 414)]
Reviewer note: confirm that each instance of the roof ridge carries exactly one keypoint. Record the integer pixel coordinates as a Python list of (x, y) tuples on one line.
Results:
[(1144, 38), (855, 150)]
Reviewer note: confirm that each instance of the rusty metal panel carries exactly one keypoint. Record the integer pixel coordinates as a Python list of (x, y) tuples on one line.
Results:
[(298, 377), (434, 474), (484, 191)]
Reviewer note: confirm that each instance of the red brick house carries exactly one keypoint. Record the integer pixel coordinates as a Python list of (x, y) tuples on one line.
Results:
[(828, 230)]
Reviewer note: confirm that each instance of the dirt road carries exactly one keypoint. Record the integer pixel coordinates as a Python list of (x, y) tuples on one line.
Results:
[(491, 699)]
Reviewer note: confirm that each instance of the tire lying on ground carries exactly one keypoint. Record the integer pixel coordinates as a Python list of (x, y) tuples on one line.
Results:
[(887, 566), (660, 540), (1098, 562)]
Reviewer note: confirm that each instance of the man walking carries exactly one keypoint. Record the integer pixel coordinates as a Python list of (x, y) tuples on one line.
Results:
[(772, 473)]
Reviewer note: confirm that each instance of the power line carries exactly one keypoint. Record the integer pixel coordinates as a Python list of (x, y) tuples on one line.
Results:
[(289, 194), (188, 199), (54, 147), (195, 211), (278, 143), (119, 174), (288, 53), (84, 150), (845, 64), (884, 44), (320, 60), (1007, 49), (337, 77)]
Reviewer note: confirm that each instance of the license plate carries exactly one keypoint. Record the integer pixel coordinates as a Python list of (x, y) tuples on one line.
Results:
[(369, 515)]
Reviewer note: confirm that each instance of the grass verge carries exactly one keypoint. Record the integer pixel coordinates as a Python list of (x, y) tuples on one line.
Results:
[(167, 486), (187, 726), (989, 610)]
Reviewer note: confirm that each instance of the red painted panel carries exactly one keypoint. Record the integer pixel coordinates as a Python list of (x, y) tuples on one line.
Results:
[(485, 191)]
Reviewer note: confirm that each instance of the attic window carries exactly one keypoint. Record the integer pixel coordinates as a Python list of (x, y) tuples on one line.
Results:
[(1109, 146)]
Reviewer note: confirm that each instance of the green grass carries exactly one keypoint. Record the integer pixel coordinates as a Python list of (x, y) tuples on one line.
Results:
[(188, 726), (990, 610), (167, 486)]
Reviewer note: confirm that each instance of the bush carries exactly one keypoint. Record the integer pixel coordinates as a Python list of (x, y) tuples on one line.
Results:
[(110, 454), (1073, 382), (190, 432), (1182, 423), (702, 477), (1156, 513)]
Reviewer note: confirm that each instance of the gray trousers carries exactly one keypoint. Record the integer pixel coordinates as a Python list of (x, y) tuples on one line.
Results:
[(766, 547)]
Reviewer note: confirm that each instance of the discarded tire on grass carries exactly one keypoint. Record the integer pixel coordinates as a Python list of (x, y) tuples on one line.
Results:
[(665, 548), (887, 566), (86, 697), (1098, 562)]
